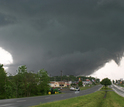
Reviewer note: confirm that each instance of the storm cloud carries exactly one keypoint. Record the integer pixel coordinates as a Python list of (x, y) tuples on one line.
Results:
[(77, 37)]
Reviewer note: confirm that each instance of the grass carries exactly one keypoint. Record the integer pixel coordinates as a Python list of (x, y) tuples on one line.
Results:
[(121, 85), (86, 87), (103, 88), (75, 102), (113, 100), (91, 100)]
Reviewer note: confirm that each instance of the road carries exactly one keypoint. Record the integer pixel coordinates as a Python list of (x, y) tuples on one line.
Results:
[(118, 89), (30, 101)]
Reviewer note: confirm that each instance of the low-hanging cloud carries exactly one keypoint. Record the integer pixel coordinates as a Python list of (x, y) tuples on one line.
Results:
[(77, 37)]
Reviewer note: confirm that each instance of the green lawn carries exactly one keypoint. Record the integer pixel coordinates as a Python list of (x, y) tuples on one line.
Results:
[(86, 87), (107, 88), (92, 100), (121, 85)]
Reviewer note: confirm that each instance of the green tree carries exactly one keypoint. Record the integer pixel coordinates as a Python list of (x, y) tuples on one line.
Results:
[(106, 82), (31, 84), (43, 81), (3, 80), (21, 81), (80, 83), (113, 81), (22, 69)]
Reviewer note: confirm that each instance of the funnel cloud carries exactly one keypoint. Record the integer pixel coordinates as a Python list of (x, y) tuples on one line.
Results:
[(77, 37)]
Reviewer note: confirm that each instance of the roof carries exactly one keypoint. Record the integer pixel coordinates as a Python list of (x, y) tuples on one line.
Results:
[(59, 82)]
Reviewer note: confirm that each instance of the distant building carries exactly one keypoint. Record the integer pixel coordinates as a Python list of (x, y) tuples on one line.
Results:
[(59, 83), (86, 82), (121, 79)]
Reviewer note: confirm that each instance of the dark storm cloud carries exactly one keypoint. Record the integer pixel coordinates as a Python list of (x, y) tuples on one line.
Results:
[(77, 37), (6, 20)]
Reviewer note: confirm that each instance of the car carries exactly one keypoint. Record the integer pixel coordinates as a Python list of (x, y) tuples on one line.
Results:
[(58, 89), (75, 89), (72, 89)]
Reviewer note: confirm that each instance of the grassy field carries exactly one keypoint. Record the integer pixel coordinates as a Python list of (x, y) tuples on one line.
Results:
[(92, 100)]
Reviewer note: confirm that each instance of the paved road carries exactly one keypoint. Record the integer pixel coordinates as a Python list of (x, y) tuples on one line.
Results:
[(118, 89), (30, 101)]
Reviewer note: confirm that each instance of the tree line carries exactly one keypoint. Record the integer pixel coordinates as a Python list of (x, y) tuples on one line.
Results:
[(27, 83), (72, 78), (23, 84)]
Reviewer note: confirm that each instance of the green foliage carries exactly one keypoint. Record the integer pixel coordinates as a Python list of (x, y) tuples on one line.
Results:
[(80, 83), (22, 69), (73, 84), (23, 84), (72, 78), (3, 80), (43, 81), (106, 82), (105, 88), (113, 81)]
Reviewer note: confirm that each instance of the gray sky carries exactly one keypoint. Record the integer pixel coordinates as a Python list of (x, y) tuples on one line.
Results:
[(75, 36)]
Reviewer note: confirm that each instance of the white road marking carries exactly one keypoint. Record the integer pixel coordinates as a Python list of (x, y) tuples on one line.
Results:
[(21, 101), (47, 97), (76, 92), (5, 105), (7, 101)]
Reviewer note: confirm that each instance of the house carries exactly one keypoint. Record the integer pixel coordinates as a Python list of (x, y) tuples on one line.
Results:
[(75, 82), (69, 82), (58, 84), (54, 84), (86, 82)]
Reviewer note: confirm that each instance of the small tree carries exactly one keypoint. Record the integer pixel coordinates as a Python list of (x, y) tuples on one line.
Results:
[(80, 83), (3, 81), (43, 81), (106, 82), (113, 81)]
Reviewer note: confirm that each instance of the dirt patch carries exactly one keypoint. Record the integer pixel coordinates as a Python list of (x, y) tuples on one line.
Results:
[(105, 94)]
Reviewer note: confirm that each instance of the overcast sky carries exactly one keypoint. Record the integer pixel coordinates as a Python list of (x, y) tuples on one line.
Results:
[(75, 36)]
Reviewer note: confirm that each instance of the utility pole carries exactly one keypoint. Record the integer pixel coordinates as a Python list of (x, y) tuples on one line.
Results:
[(61, 79), (68, 81), (50, 77)]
